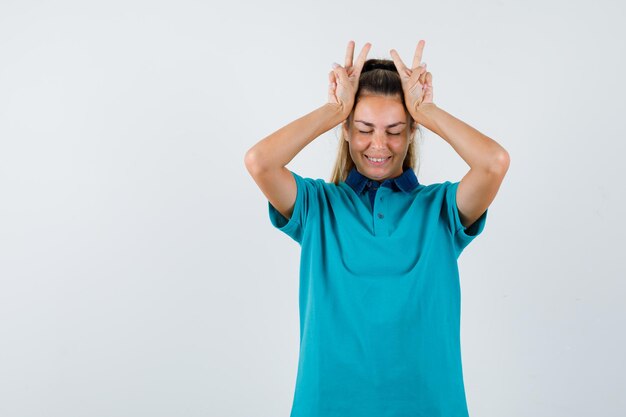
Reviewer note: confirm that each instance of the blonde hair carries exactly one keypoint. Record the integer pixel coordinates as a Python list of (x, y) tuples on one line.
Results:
[(378, 77)]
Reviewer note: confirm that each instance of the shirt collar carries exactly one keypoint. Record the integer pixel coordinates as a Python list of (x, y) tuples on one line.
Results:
[(406, 182)]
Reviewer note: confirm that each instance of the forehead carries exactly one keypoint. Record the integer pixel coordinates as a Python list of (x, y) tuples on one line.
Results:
[(379, 109)]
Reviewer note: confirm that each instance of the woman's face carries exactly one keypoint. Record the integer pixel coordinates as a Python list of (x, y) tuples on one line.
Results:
[(379, 130)]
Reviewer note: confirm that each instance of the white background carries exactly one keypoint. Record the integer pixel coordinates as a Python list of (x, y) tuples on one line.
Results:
[(140, 274)]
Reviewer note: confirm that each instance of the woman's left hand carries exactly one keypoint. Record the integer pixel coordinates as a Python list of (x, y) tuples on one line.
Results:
[(417, 83)]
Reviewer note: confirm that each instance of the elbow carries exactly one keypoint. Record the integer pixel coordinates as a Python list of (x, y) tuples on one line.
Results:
[(501, 162), (252, 161)]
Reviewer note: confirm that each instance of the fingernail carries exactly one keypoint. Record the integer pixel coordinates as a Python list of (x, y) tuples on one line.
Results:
[(335, 65)]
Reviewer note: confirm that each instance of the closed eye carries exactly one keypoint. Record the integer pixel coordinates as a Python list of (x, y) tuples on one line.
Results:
[(392, 134)]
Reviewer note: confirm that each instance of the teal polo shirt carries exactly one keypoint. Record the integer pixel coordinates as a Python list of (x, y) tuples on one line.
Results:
[(380, 297)]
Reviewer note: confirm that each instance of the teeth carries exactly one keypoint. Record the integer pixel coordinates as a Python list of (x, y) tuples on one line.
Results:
[(376, 159)]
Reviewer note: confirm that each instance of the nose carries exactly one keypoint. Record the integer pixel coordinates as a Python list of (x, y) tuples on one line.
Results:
[(378, 141)]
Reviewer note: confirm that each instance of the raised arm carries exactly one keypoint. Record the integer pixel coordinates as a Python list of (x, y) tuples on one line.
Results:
[(487, 159), (278, 149), (267, 159)]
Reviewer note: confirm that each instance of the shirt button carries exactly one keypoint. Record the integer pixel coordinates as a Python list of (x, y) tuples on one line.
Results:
[(381, 215)]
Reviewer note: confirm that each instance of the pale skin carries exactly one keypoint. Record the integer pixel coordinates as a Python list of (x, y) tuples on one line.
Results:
[(379, 130), (488, 161)]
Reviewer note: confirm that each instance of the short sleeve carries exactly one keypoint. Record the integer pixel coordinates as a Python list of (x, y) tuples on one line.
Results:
[(461, 235), (306, 198)]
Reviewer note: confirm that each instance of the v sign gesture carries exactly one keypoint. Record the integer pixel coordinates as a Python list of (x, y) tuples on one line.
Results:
[(417, 84), (344, 81)]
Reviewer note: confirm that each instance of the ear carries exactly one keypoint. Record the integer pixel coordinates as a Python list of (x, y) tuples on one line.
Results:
[(344, 127)]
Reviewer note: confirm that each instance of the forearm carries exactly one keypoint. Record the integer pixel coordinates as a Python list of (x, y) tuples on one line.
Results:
[(476, 149), (279, 148)]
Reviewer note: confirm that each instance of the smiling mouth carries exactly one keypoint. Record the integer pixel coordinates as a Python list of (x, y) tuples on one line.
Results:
[(377, 161)]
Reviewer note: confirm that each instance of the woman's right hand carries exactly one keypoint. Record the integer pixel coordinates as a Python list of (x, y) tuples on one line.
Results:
[(344, 81)]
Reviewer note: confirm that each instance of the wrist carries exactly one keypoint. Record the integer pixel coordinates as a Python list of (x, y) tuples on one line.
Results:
[(423, 113), (336, 111)]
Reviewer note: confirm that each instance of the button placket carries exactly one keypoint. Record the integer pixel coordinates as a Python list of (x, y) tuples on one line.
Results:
[(380, 209)]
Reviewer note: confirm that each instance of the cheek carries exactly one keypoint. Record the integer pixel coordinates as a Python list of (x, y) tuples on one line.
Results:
[(399, 145), (358, 143)]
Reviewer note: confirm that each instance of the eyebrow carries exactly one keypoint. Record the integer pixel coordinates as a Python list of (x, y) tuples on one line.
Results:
[(372, 124)]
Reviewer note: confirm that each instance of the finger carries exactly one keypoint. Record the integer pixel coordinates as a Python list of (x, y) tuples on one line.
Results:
[(332, 85), (417, 58), (341, 76), (360, 61), (427, 76), (429, 87), (349, 54), (336, 67), (422, 77), (402, 69)]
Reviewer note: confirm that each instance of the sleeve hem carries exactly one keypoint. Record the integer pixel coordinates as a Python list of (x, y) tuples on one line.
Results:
[(281, 222), (473, 229)]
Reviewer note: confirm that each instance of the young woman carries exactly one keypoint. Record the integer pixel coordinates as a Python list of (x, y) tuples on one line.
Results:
[(379, 280)]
